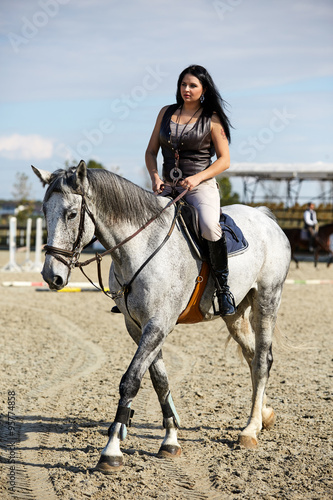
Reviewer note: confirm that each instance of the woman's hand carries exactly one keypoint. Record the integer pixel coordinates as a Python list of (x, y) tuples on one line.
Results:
[(157, 185), (191, 182)]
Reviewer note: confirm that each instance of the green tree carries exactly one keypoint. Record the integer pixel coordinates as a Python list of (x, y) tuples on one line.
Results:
[(227, 196), (94, 164), (90, 164)]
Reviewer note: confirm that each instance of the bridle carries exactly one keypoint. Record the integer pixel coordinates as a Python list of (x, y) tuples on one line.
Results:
[(74, 254)]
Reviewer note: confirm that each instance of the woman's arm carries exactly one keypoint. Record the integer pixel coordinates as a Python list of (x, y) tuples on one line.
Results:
[(151, 154), (222, 161)]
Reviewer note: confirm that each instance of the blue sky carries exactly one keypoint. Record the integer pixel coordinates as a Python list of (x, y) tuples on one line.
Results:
[(86, 79)]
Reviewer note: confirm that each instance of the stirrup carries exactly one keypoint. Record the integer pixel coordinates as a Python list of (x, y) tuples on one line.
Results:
[(226, 302)]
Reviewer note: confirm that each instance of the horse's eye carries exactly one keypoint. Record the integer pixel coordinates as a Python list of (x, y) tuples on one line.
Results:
[(72, 215)]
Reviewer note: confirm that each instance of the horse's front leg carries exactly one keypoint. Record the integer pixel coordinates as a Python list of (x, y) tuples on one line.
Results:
[(149, 346), (170, 447)]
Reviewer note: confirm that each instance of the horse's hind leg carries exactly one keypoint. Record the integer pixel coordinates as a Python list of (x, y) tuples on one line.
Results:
[(264, 306), (241, 329), (170, 447)]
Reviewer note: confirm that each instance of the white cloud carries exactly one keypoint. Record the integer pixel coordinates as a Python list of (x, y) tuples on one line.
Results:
[(25, 147)]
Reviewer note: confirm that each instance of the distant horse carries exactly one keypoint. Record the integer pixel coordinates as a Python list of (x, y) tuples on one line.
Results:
[(152, 283), (321, 242)]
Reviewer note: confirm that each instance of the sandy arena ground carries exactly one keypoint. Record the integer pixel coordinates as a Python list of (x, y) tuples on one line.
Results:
[(62, 357)]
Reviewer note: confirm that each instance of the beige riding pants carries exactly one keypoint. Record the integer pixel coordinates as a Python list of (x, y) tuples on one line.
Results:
[(206, 199)]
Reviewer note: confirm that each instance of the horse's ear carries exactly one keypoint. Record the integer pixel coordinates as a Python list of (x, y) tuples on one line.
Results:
[(81, 178), (43, 175)]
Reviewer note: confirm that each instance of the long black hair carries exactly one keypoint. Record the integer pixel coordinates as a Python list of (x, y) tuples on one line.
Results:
[(213, 101)]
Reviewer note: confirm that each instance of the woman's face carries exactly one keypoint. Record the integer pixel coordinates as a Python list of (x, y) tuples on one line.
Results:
[(191, 89)]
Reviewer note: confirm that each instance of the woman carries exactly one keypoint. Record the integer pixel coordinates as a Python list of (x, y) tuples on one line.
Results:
[(189, 133)]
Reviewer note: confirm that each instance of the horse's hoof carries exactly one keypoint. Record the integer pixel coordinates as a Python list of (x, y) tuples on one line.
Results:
[(248, 442), (269, 421), (109, 465), (169, 451)]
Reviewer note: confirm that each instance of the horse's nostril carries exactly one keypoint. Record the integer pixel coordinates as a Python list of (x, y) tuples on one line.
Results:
[(58, 281)]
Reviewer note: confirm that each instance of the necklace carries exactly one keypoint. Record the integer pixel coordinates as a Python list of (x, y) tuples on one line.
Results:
[(176, 173)]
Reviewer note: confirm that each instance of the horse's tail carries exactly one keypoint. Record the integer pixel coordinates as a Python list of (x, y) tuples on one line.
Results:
[(280, 341), (268, 212), (283, 343)]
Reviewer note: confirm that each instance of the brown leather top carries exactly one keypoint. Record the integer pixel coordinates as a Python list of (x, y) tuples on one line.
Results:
[(195, 148)]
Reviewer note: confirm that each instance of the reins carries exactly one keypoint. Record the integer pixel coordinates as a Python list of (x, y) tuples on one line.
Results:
[(171, 202), (74, 254), (124, 290)]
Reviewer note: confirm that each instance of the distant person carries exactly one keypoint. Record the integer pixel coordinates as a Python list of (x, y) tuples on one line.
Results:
[(311, 224)]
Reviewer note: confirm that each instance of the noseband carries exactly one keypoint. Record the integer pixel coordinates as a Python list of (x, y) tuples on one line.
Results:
[(73, 254)]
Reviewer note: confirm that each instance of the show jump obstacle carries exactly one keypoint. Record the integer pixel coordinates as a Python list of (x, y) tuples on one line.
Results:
[(28, 265)]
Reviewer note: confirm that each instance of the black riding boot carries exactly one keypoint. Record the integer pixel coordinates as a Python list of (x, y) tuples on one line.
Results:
[(218, 256)]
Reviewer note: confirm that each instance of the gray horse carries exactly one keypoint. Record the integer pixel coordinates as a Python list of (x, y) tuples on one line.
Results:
[(80, 203)]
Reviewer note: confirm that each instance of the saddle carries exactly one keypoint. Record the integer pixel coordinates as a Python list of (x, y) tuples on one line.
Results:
[(236, 244)]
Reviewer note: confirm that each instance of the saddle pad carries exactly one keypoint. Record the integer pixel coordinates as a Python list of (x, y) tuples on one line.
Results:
[(236, 242)]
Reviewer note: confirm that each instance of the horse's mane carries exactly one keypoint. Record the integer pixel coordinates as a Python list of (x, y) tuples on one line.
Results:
[(120, 198)]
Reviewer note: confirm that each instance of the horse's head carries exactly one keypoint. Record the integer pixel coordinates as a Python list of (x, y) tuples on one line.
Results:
[(69, 228)]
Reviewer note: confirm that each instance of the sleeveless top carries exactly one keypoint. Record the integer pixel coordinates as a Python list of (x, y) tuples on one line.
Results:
[(195, 149)]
